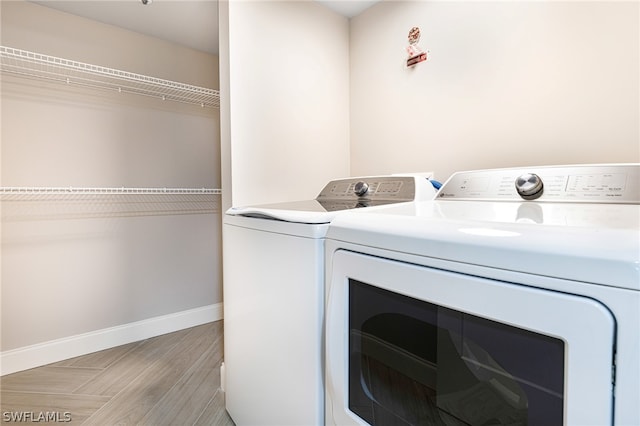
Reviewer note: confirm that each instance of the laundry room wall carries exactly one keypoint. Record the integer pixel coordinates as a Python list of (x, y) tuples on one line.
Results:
[(507, 83), (287, 68), (83, 273)]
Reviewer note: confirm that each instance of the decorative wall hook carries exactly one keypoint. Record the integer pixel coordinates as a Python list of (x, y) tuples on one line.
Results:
[(416, 54)]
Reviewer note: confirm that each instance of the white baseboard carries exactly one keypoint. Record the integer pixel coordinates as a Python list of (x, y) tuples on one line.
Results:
[(68, 347)]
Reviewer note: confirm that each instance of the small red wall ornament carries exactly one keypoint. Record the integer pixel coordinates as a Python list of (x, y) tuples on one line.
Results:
[(416, 54)]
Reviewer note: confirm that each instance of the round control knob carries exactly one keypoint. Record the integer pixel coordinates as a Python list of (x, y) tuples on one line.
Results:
[(529, 186), (361, 188)]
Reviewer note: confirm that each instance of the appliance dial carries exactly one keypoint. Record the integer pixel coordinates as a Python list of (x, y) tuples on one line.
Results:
[(361, 188), (529, 186)]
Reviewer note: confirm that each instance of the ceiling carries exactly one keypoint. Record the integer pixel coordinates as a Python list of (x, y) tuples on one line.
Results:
[(191, 23)]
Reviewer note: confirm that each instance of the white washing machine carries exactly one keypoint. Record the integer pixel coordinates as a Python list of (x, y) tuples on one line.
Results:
[(273, 288), (513, 298)]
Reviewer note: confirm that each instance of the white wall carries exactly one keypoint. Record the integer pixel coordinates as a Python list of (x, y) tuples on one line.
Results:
[(507, 83), (289, 109), (73, 267)]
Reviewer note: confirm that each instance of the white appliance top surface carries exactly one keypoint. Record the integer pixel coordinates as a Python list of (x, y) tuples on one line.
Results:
[(304, 211), (340, 195), (589, 242)]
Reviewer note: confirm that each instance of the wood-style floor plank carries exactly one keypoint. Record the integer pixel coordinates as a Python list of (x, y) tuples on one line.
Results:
[(183, 403), (133, 403), (215, 413), (101, 359), (79, 407), (119, 375), (49, 379), (166, 380)]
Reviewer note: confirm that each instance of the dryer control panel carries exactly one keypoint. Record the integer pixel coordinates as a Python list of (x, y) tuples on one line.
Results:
[(593, 183)]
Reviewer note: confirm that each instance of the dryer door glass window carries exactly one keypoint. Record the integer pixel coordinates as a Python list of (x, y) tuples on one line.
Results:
[(415, 363)]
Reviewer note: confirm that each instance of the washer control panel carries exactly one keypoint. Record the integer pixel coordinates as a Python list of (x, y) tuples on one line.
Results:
[(399, 188), (595, 183)]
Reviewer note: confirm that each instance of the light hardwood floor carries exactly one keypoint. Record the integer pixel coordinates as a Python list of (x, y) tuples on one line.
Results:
[(172, 379)]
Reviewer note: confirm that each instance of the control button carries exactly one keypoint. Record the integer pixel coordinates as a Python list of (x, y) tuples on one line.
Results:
[(361, 188), (529, 186)]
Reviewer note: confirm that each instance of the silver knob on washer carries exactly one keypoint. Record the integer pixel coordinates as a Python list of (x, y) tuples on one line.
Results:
[(361, 188), (529, 186)]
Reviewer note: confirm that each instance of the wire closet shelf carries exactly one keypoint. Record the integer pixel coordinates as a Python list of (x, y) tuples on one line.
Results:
[(35, 65), (47, 203), (30, 190)]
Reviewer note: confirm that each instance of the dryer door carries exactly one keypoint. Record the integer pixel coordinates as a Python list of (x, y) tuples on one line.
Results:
[(414, 345)]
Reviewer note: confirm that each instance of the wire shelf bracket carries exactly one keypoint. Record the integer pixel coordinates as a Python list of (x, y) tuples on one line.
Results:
[(35, 65)]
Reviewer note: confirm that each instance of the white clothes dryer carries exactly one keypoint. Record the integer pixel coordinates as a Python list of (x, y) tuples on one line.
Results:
[(273, 260), (512, 298)]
